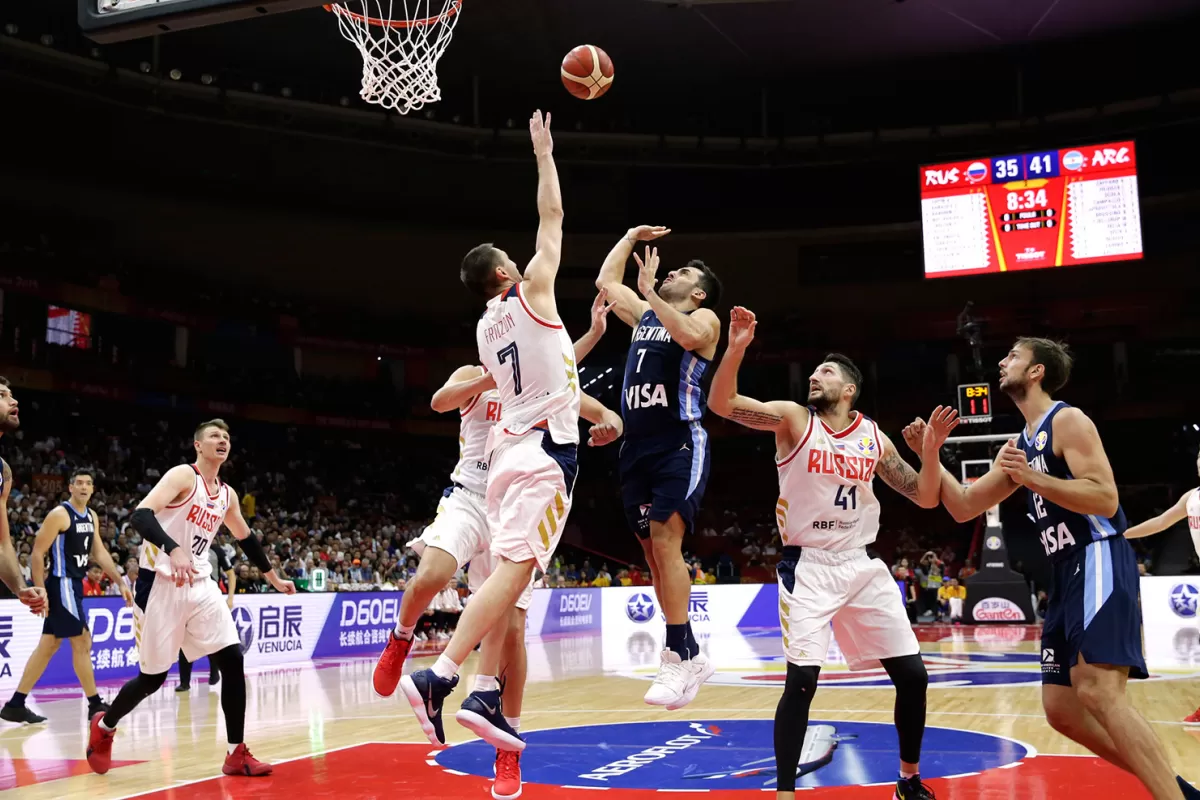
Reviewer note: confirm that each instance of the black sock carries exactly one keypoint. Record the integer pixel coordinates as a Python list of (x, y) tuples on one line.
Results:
[(677, 640), (94, 700), (233, 695), (132, 693), (185, 670), (911, 679), (18, 700), (693, 647)]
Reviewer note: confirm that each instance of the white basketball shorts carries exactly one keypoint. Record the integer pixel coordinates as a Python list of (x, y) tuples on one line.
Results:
[(191, 618), (460, 527), (529, 495), (856, 593)]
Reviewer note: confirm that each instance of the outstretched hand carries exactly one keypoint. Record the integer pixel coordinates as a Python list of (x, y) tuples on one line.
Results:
[(647, 271), (539, 132), (914, 435), (600, 309), (646, 233), (742, 323), (942, 421)]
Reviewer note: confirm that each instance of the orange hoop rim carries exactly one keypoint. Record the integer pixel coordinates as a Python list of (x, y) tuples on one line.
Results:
[(451, 9)]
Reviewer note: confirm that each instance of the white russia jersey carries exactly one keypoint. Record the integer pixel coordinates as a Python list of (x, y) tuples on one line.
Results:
[(192, 523), (476, 422), (533, 362), (1193, 512), (826, 497)]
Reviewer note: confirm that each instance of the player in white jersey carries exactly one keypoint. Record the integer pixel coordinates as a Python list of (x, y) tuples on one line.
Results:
[(177, 606), (828, 455), (459, 535), (1187, 507), (531, 452)]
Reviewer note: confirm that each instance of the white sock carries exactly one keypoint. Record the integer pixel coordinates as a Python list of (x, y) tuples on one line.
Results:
[(907, 775), (486, 683), (404, 631), (444, 667), (514, 723), (105, 727), (233, 747)]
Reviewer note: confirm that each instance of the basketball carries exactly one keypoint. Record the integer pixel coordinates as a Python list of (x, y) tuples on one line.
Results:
[(587, 72)]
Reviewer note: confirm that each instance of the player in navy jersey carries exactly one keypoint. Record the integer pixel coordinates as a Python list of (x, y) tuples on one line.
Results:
[(10, 568), (1091, 637), (664, 460), (70, 537)]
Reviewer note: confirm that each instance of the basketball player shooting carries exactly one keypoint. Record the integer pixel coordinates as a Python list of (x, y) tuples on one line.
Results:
[(459, 535), (665, 458), (827, 455), (1091, 637), (531, 453), (1188, 507), (70, 536), (176, 604), (10, 568)]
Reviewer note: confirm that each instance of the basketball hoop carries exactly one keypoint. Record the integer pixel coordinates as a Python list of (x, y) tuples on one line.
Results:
[(400, 42)]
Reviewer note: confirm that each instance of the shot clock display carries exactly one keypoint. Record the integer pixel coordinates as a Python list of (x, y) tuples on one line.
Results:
[(974, 402), (1031, 211)]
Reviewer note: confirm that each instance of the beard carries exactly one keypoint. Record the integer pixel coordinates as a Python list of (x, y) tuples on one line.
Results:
[(673, 292), (1016, 389), (8, 424), (824, 402)]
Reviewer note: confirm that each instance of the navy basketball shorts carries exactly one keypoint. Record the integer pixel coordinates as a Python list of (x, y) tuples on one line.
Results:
[(1094, 611), (656, 486), (65, 618)]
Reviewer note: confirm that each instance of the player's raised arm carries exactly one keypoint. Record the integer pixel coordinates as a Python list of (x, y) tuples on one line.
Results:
[(463, 385), (963, 502), (600, 309), (627, 304), (922, 488), (607, 425), (252, 547), (724, 399), (1092, 489), (1163, 521), (697, 331), (543, 268)]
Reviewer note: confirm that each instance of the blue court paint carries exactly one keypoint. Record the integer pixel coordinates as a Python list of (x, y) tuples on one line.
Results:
[(727, 754)]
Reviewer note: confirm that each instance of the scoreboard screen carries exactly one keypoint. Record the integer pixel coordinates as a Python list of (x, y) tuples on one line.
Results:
[(974, 402), (1051, 208)]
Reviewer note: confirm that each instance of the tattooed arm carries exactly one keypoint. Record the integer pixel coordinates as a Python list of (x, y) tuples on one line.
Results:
[(786, 419), (922, 489)]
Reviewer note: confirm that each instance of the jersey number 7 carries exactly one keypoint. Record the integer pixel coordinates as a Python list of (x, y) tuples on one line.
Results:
[(503, 354)]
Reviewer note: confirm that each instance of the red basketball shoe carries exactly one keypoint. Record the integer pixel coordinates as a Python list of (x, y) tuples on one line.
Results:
[(1194, 719), (99, 749), (240, 762), (507, 785), (390, 665)]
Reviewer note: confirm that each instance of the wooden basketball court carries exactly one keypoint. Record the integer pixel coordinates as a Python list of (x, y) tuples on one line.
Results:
[(330, 736)]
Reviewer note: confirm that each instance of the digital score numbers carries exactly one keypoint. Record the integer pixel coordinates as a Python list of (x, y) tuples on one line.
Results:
[(1032, 211), (974, 403)]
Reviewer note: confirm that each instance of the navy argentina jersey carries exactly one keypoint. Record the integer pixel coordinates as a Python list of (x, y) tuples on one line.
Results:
[(665, 453), (69, 556), (1093, 607)]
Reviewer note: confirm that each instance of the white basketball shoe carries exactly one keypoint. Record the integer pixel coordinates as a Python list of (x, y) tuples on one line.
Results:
[(678, 681)]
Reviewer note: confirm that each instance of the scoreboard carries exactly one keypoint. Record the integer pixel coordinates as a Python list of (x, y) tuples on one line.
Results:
[(1051, 208), (974, 402)]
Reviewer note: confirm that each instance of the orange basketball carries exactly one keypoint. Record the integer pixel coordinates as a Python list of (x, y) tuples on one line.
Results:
[(587, 72)]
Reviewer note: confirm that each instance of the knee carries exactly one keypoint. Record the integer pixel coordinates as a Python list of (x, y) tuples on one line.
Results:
[(799, 687), (908, 675), (152, 683), (663, 546), (1095, 697), (1060, 718), (229, 658)]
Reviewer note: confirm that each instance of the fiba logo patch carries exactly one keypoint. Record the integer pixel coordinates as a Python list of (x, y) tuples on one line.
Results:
[(993, 543), (1184, 598), (243, 620), (866, 445), (1040, 441), (640, 608)]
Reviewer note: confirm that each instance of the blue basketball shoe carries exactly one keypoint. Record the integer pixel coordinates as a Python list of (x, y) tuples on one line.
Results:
[(427, 692), (480, 713)]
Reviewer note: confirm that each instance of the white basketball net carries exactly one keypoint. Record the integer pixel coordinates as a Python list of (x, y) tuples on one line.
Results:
[(400, 42)]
